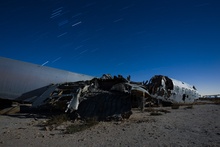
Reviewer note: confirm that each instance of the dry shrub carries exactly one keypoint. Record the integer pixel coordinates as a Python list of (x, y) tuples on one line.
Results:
[(203, 101), (81, 126), (163, 110), (145, 121), (149, 110), (175, 106), (189, 107), (57, 120), (155, 113)]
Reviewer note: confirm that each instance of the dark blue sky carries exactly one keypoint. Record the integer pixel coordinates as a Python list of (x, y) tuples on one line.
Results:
[(141, 38)]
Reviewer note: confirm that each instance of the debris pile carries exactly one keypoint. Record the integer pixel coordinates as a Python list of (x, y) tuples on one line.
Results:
[(108, 97), (104, 98)]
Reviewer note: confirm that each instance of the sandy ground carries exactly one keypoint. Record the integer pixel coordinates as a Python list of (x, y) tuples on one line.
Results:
[(199, 126)]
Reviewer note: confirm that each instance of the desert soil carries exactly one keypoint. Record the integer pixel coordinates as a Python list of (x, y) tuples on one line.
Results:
[(199, 126)]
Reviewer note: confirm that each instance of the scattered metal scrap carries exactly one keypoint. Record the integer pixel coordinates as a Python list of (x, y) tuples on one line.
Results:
[(104, 98)]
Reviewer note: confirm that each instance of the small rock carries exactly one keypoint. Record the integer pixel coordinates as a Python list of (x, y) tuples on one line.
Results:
[(81, 139), (61, 127)]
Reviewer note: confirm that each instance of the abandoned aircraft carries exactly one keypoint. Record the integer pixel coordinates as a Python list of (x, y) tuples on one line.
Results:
[(103, 97)]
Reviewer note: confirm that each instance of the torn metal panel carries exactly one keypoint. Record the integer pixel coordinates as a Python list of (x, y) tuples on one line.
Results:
[(171, 90), (138, 88), (41, 99), (74, 102), (106, 84), (121, 87), (106, 76)]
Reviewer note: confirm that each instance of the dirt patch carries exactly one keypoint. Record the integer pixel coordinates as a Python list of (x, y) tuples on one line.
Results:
[(198, 126)]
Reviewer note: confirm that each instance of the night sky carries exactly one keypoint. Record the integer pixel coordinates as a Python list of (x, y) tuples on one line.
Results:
[(141, 38)]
